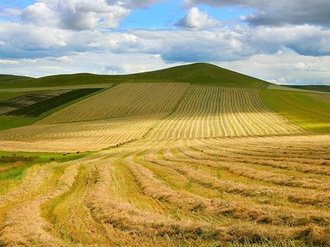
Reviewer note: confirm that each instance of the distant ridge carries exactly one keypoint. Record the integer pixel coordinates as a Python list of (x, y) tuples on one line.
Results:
[(321, 88), (14, 79), (197, 73), (200, 73)]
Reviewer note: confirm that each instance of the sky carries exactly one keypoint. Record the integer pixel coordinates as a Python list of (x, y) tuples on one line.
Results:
[(283, 42)]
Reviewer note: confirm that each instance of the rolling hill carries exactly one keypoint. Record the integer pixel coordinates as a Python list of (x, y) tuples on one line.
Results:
[(193, 155), (199, 73)]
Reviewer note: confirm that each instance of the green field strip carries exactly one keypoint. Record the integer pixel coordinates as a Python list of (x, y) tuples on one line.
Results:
[(39, 108), (9, 121), (299, 108), (14, 164), (9, 95)]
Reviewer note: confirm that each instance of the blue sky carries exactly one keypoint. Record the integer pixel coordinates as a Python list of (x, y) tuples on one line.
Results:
[(284, 42)]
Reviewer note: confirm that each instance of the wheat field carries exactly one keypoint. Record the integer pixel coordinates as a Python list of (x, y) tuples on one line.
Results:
[(207, 111), (154, 111), (172, 165)]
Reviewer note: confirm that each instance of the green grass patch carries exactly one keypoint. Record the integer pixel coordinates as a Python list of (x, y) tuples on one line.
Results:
[(47, 157), (299, 108), (20, 161), (9, 95), (8, 122)]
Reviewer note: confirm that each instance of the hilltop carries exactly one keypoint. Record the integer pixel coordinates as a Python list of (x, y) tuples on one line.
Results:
[(14, 80), (198, 73)]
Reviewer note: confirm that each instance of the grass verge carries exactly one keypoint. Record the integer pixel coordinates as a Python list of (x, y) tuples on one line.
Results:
[(299, 108), (20, 161)]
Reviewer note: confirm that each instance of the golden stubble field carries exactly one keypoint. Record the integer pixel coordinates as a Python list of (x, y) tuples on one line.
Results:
[(203, 166)]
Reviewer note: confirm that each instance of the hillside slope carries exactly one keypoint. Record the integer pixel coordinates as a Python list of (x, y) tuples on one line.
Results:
[(201, 73), (7, 81)]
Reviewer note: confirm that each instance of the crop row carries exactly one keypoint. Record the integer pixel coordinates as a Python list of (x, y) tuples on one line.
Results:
[(81, 136), (197, 112), (221, 112), (124, 100), (177, 192)]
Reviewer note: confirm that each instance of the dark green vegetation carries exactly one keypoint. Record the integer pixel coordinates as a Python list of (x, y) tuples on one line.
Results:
[(300, 108), (41, 107), (320, 88), (13, 164), (26, 114)]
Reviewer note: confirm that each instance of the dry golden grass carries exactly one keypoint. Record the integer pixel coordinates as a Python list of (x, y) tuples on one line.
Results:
[(221, 112), (80, 136), (124, 100), (156, 111), (203, 191), (216, 175)]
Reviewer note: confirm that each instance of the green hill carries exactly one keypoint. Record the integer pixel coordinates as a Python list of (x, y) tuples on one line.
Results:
[(13, 80), (320, 88), (201, 73)]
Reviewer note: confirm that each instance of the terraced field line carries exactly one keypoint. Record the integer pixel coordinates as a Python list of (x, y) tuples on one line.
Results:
[(124, 100), (23, 224), (80, 136), (221, 112)]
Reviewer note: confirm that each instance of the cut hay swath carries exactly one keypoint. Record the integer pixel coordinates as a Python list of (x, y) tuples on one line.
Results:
[(77, 136), (199, 166), (155, 111), (124, 100), (222, 112), (180, 192)]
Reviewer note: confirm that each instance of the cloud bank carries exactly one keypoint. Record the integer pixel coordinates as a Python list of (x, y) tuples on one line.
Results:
[(277, 41), (277, 13)]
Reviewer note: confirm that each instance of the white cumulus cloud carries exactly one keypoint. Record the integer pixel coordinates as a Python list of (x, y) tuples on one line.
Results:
[(90, 14), (75, 14), (196, 20), (39, 14)]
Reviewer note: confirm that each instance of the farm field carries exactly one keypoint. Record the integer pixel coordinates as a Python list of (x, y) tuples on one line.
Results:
[(124, 100), (308, 110), (264, 190), (208, 111), (170, 164)]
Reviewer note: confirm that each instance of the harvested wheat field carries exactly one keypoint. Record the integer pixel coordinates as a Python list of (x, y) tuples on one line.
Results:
[(184, 192), (170, 164)]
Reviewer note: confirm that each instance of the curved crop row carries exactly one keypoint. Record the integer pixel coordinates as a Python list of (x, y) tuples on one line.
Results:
[(177, 192), (124, 100), (81, 136), (221, 112)]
